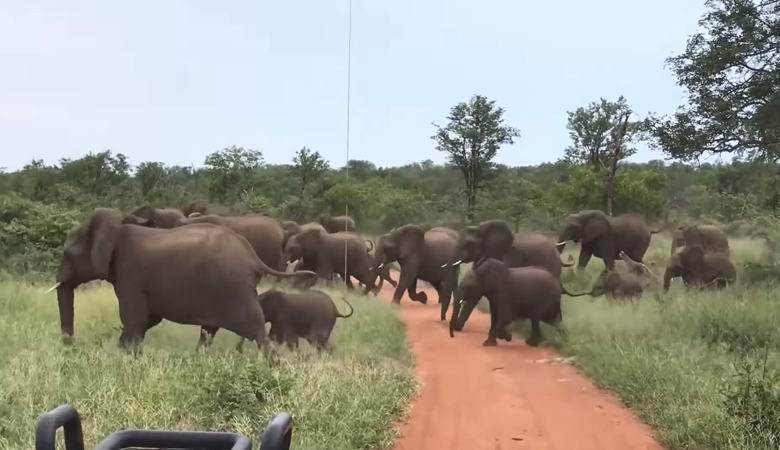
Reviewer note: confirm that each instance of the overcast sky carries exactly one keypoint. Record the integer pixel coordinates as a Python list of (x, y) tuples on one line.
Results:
[(173, 81)]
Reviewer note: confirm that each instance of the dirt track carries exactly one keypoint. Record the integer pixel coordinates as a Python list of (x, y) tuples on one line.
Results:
[(505, 397)]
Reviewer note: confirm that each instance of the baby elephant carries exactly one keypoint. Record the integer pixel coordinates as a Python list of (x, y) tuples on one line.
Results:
[(628, 283), (309, 314)]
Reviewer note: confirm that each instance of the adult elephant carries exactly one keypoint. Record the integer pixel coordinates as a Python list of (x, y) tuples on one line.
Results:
[(327, 250), (382, 269), (423, 253), (264, 234), (700, 269), (710, 238), (494, 239), (604, 237), (337, 224), (199, 275)]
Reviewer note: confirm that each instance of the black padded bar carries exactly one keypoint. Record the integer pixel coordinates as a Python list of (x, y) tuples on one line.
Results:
[(278, 433), (178, 439), (64, 416)]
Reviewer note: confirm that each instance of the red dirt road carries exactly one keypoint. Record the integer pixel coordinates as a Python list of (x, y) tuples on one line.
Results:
[(506, 397)]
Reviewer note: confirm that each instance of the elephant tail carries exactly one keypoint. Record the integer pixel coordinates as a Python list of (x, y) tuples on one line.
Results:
[(371, 243), (351, 309), (565, 291)]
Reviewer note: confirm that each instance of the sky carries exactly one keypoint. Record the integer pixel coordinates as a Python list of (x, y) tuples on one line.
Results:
[(173, 81)]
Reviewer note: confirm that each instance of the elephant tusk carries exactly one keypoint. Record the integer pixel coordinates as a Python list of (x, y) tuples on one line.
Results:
[(56, 285), (444, 265), (457, 262), (560, 243), (380, 266)]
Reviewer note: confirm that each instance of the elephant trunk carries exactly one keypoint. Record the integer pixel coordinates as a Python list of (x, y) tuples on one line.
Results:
[(667, 279), (454, 317), (65, 303)]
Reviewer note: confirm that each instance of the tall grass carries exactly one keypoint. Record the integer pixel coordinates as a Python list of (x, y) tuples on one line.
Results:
[(349, 398), (699, 366)]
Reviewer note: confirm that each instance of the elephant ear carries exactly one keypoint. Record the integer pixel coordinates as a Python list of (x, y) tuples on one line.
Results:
[(272, 303), (310, 238), (410, 241), (693, 258), (596, 225), (103, 231), (492, 274)]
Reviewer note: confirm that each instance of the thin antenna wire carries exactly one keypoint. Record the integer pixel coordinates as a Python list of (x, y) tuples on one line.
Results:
[(349, 86)]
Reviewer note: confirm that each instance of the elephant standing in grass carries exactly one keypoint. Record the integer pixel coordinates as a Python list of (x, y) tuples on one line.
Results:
[(423, 253), (494, 239), (200, 275), (326, 251), (604, 237), (513, 293), (700, 269), (710, 238), (264, 234), (620, 284), (309, 314), (338, 223)]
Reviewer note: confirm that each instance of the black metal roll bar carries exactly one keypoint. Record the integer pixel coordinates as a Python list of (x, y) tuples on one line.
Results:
[(277, 435)]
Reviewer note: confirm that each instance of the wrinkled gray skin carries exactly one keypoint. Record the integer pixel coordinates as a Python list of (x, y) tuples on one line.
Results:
[(604, 237), (199, 275), (699, 269), (624, 284), (338, 223), (263, 233), (421, 252), (513, 293), (326, 250), (309, 314), (494, 239), (383, 272), (710, 238)]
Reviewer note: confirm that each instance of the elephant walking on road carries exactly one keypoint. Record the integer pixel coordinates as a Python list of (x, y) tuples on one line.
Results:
[(604, 237), (200, 275), (423, 253)]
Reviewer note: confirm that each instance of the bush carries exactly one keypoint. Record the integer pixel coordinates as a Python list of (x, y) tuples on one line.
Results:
[(753, 397)]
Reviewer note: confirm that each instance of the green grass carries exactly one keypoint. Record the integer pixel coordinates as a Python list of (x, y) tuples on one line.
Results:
[(677, 358), (347, 399)]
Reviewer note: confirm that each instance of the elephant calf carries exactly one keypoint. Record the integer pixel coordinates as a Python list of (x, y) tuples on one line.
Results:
[(630, 283), (309, 314), (700, 269)]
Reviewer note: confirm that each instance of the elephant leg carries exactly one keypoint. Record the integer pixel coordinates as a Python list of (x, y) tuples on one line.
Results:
[(501, 321), (445, 295), (584, 258), (609, 262), (536, 334), (407, 279), (153, 321), (421, 296), (134, 315), (206, 336), (465, 312)]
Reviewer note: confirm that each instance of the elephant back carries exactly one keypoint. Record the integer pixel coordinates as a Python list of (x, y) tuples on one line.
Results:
[(534, 250), (264, 234), (440, 245), (631, 234)]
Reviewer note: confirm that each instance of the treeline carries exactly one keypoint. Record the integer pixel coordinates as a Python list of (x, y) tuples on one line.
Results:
[(40, 203)]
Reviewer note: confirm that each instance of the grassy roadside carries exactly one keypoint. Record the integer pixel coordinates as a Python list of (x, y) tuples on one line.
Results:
[(691, 364), (348, 399)]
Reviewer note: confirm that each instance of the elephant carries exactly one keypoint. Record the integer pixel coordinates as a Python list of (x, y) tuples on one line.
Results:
[(326, 251), (494, 239), (700, 269), (309, 314), (423, 253), (158, 217), (605, 236), (710, 238), (263, 233), (513, 293), (630, 283), (200, 275), (337, 224), (199, 207), (383, 270)]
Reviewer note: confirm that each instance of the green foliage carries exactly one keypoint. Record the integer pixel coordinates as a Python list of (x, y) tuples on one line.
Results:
[(753, 397), (230, 170), (96, 173), (590, 130), (309, 167), (474, 133), (731, 71)]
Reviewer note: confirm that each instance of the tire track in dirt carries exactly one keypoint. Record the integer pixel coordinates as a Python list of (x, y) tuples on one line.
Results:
[(506, 397)]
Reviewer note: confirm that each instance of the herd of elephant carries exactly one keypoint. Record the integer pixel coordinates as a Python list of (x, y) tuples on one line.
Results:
[(191, 267)]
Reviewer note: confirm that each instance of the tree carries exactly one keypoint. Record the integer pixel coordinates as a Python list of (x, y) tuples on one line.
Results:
[(96, 173), (472, 138), (731, 71), (601, 135), (150, 176), (230, 170), (309, 167)]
